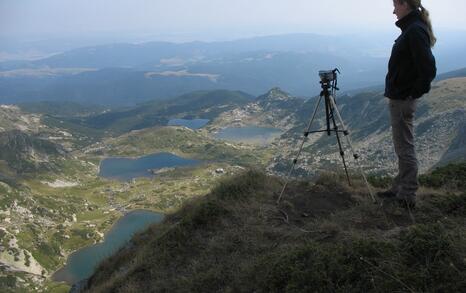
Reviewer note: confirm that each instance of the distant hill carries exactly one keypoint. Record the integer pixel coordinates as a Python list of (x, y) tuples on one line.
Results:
[(128, 74), (200, 104), (151, 53), (276, 108), (253, 72), (452, 74), (24, 153), (12, 118), (61, 108), (106, 87)]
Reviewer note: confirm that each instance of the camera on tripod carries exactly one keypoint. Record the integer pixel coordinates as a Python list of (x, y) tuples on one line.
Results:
[(328, 82), (328, 75)]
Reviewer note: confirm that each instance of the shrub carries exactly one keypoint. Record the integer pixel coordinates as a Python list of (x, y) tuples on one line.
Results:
[(380, 181), (240, 187), (450, 176)]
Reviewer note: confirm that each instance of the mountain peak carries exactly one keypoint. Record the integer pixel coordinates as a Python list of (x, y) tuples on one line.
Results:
[(277, 93)]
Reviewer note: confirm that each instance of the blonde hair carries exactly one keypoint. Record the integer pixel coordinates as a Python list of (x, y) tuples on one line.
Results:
[(417, 5)]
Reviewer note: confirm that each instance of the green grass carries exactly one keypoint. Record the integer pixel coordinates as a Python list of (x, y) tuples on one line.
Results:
[(51, 287), (421, 259), (451, 176), (323, 237), (46, 253), (93, 216)]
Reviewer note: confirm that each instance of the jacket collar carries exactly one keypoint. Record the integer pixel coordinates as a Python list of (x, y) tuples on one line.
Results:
[(408, 19)]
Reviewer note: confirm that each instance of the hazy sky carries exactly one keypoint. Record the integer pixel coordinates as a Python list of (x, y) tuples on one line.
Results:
[(248, 17)]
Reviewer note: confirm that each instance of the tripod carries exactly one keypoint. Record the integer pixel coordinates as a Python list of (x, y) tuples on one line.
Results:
[(329, 87)]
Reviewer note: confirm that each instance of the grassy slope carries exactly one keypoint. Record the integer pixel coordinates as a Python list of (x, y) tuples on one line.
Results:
[(89, 201), (323, 237)]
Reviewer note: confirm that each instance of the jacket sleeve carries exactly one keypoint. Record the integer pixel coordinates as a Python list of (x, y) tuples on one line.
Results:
[(423, 60)]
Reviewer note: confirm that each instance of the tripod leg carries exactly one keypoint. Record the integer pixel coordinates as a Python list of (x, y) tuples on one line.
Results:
[(328, 109), (348, 139), (313, 117), (342, 153), (295, 161)]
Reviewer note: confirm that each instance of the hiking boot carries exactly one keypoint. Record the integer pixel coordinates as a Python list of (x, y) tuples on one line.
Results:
[(386, 194)]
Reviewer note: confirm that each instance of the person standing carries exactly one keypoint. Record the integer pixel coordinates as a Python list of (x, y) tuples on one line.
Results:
[(411, 70)]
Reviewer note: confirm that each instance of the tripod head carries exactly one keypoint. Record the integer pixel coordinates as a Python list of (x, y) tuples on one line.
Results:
[(328, 81), (328, 75)]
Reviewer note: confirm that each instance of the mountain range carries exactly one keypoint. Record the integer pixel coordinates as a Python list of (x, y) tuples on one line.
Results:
[(128, 74), (440, 123)]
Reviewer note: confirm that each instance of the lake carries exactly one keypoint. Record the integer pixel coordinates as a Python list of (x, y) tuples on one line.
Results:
[(81, 264), (190, 123), (129, 168), (249, 134)]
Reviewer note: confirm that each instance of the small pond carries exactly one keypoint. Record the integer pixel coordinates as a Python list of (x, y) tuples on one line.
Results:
[(129, 168), (81, 264)]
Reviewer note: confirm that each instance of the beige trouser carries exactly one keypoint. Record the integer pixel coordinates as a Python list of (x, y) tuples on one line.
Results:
[(402, 119)]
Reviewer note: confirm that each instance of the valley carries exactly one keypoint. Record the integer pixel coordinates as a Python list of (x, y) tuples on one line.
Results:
[(63, 205), (53, 201)]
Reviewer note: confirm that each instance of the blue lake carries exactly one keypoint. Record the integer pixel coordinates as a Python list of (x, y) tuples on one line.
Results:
[(81, 264), (129, 168), (191, 123), (249, 134)]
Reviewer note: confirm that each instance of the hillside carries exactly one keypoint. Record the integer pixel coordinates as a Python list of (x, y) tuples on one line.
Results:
[(323, 237), (11, 118), (24, 153), (61, 108), (199, 104), (27, 145), (275, 108), (452, 74), (439, 125)]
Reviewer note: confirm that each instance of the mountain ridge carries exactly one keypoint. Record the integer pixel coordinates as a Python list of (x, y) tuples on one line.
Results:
[(165, 70)]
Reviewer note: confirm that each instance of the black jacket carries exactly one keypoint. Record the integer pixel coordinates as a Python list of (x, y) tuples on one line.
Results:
[(411, 68)]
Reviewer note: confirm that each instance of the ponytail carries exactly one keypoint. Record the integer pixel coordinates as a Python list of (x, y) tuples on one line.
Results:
[(416, 5), (426, 18)]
